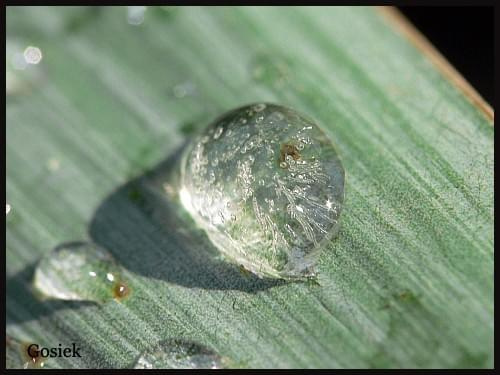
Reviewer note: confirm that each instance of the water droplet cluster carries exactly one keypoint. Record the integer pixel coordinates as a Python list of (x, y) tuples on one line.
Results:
[(267, 186)]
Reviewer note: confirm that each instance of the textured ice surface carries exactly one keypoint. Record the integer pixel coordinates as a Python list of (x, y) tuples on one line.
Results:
[(267, 186)]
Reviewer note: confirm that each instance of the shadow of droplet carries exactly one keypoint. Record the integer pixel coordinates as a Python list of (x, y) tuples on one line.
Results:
[(143, 225)]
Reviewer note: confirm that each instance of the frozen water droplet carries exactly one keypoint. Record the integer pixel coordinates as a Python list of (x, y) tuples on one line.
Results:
[(290, 176), (180, 354), (79, 271)]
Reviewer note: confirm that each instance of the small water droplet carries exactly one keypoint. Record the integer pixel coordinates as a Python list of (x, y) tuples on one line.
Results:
[(135, 15), (78, 271), (245, 165), (184, 89), (7, 209), (53, 164), (180, 354), (32, 55)]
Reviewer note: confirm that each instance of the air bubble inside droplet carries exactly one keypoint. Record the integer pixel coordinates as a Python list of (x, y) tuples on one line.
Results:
[(218, 132), (79, 271), (265, 160), (259, 107), (180, 354)]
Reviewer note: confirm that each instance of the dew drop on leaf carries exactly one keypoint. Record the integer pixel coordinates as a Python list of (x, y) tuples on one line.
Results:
[(276, 155), (80, 271), (179, 354)]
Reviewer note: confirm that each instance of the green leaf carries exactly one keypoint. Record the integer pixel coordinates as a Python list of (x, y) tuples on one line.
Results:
[(407, 283)]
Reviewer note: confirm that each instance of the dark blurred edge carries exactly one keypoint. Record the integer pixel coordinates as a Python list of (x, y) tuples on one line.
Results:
[(465, 36)]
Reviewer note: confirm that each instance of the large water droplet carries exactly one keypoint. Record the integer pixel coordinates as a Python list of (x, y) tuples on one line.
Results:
[(302, 176), (180, 354), (80, 271)]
